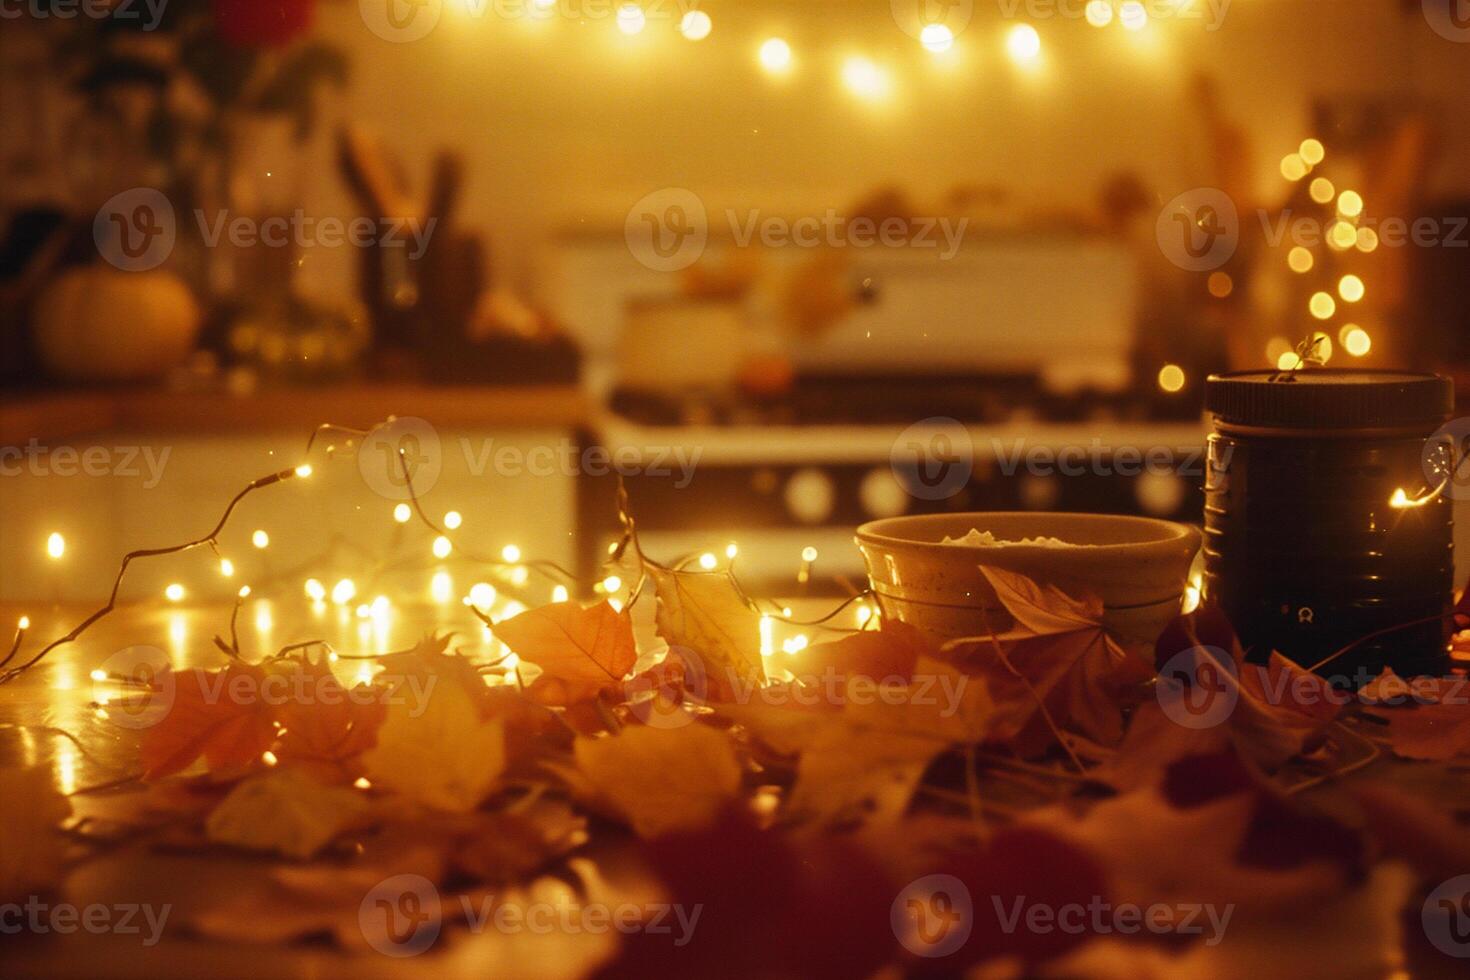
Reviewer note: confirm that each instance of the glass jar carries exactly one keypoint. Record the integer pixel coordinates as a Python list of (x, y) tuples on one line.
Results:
[(1326, 521)]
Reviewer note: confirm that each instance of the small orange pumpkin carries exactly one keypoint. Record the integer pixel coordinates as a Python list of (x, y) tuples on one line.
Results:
[(97, 323)]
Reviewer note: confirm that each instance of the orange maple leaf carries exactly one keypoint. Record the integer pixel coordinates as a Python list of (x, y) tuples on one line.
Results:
[(334, 724), (580, 651), (217, 714)]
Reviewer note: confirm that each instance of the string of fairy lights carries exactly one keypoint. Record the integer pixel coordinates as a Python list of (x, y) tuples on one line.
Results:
[(483, 599), (863, 76)]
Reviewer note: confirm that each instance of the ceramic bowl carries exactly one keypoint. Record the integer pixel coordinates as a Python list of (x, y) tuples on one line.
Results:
[(1138, 567)]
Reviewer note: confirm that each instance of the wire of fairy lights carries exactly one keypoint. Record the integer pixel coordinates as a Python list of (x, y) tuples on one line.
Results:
[(231, 648)]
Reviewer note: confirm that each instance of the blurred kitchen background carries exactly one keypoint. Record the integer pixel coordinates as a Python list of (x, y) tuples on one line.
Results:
[(629, 233)]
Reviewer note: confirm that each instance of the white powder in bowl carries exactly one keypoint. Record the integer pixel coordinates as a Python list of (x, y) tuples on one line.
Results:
[(985, 539)]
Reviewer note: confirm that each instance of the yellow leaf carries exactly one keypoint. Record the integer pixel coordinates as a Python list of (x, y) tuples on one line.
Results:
[(434, 747), (859, 775), (580, 651), (283, 810), (30, 847), (705, 613), (663, 780)]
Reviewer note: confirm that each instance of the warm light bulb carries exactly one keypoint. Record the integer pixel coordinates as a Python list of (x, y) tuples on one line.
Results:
[(315, 591), (1288, 361), (1023, 43), (864, 79), (1099, 13), (1367, 240), (402, 513), (1350, 204), (1171, 378), (244, 592), (482, 594), (442, 547), (1355, 340), (304, 470), (1351, 288), (453, 520), (695, 25), (344, 592), (1300, 259), (56, 545), (808, 554), (631, 19), (731, 550), (707, 561), (23, 623), (174, 592), (560, 594), (1322, 190), (1323, 306), (1342, 236), (612, 584), (1312, 151), (937, 38), (511, 553), (775, 56), (1293, 167), (441, 587), (260, 539), (1133, 15), (226, 568)]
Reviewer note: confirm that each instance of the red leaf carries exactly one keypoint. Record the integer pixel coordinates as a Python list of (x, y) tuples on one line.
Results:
[(580, 651), (332, 725), (217, 714)]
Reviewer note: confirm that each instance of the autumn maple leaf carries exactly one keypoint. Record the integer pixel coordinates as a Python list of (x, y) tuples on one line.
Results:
[(882, 654), (705, 613), (334, 725), (579, 651), (217, 714), (1057, 667)]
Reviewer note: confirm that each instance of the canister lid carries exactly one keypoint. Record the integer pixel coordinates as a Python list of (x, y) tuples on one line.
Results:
[(1329, 398)]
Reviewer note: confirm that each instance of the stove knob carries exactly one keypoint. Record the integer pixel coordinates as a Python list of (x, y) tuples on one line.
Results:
[(881, 493), (1159, 494), (810, 496)]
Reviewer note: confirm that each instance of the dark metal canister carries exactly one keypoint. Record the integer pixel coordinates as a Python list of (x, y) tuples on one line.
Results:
[(1326, 520)]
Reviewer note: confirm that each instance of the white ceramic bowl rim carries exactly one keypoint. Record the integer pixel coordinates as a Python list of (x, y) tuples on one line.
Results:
[(1153, 531)]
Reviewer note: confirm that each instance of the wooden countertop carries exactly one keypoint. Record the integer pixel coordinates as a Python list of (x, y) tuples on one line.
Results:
[(51, 416)]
